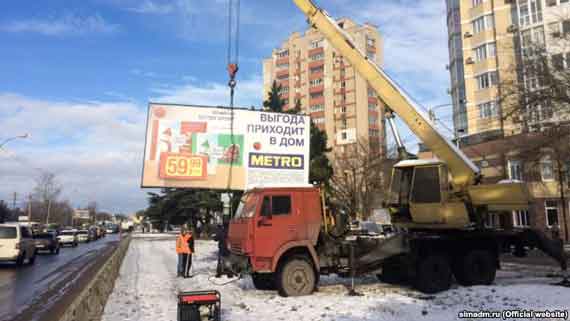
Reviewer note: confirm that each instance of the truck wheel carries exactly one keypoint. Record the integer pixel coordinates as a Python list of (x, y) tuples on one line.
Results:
[(433, 274), (392, 273), (296, 277), (476, 268), (263, 281)]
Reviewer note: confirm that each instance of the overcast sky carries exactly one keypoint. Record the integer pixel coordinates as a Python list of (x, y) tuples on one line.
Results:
[(78, 75)]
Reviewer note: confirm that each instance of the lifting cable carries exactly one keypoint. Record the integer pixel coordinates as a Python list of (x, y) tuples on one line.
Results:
[(232, 68)]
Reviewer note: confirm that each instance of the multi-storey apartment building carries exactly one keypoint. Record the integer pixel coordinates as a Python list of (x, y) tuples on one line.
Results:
[(339, 101), (492, 42)]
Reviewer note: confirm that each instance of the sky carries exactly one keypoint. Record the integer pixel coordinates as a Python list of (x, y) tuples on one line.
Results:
[(78, 77)]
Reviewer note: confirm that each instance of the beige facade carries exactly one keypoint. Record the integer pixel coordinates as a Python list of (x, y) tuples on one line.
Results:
[(338, 100), (482, 42), (489, 41)]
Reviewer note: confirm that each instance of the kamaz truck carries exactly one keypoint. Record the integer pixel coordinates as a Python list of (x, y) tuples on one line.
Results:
[(285, 238)]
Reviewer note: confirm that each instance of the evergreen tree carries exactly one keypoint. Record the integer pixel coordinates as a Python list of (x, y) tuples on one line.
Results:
[(274, 102), (4, 212)]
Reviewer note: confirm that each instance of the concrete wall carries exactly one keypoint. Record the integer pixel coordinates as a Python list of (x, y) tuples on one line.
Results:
[(90, 303)]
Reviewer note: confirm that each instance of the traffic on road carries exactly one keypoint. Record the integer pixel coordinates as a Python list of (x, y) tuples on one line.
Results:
[(40, 268)]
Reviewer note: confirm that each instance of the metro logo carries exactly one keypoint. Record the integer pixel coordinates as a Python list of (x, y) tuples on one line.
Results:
[(278, 161)]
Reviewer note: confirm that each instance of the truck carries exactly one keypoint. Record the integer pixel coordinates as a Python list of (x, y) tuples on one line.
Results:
[(285, 238)]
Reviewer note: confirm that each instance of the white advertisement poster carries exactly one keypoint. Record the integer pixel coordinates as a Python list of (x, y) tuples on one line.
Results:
[(208, 147)]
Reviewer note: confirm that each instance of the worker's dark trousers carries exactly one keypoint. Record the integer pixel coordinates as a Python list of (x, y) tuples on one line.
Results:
[(186, 264)]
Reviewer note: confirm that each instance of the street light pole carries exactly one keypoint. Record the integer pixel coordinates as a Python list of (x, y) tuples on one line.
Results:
[(4, 142)]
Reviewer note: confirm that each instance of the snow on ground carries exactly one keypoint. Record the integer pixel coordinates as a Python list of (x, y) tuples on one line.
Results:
[(147, 287)]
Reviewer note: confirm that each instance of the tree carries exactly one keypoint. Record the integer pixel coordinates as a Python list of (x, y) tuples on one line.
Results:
[(46, 191), (4, 212), (538, 101), (274, 101), (320, 171), (360, 179)]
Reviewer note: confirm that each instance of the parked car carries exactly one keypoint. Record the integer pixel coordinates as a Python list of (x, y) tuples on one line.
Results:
[(47, 242), (83, 236), (17, 244), (67, 237)]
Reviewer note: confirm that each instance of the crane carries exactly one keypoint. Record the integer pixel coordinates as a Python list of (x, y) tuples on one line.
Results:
[(437, 205), (442, 199), (462, 204)]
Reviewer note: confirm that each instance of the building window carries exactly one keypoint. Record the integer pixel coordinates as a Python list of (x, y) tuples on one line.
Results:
[(317, 44), (283, 54), (373, 132), (483, 23), (284, 90), (547, 169), (551, 3), (318, 56), (530, 12), (370, 42), (317, 108), (283, 77), (317, 95), (316, 82), (370, 55), (343, 135), (316, 70), (485, 51), (551, 210), (486, 80), (477, 2), (521, 219), (283, 66), (515, 170), (344, 123), (372, 106), (372, 120), (318, 120), (372, 93), (488, 110)]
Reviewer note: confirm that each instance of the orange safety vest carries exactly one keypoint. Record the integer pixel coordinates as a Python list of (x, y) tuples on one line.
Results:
[(182, 244)]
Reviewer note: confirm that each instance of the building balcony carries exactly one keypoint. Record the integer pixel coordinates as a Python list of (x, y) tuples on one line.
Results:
[(281, 61), (316, 51), (316, 64), (317, 89)]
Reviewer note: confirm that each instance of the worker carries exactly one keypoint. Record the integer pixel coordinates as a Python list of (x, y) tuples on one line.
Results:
[(221, 235), (184, 249)]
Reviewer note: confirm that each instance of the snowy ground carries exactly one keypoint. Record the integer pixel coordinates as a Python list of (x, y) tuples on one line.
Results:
[(147, 287)]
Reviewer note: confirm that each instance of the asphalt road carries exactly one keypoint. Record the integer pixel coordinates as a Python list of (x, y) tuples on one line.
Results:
[(35, 292)]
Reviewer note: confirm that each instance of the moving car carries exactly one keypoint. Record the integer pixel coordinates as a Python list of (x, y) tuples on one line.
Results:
[(83, 236), (17, 244), (47, 242), (67, 237)]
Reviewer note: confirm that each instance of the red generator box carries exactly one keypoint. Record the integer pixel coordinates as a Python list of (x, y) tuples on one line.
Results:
[(199, 306)]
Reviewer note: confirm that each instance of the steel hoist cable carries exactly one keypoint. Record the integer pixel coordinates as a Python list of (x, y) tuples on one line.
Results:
[(232, 68)]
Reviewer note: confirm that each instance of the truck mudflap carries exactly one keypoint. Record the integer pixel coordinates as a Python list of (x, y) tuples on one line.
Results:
[(382, 249), (552, 247)]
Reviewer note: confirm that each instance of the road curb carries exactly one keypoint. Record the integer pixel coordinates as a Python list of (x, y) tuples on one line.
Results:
[(90, 303)]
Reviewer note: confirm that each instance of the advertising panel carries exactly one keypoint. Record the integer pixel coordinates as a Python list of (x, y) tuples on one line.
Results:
[(208, 147)]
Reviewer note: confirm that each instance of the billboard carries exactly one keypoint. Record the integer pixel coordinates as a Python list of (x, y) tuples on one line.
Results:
[(208, 147), (81, 214)]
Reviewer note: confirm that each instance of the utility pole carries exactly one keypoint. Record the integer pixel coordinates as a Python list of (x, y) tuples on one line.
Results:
[(14, 201), (29, 208), (48, 211)]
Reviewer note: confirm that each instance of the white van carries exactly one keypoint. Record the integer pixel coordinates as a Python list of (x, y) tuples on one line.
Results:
[(17, 244)]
